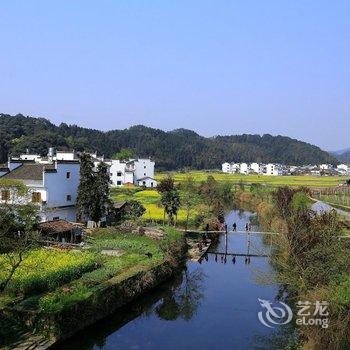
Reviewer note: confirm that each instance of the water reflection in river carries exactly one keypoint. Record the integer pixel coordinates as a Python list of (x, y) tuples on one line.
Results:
[(212, 305)]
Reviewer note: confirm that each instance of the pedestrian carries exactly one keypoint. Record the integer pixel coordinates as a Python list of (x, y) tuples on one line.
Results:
[(246, 227), (234, 226)]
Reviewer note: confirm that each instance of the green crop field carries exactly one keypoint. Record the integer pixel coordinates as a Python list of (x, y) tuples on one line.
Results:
[(45, 269), (149, 199), (56, 278), (275, 181)]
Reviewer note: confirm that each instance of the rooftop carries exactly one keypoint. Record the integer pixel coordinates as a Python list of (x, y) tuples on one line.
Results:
[(28, 171), (56, 226)]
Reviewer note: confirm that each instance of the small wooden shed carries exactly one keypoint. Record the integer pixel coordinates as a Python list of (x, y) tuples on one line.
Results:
[(61, 231)]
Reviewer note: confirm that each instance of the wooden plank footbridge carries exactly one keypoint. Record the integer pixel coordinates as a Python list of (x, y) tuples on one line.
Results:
[(246, 255)]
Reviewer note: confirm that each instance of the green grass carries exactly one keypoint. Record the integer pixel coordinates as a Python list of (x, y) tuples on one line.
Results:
[(274, 181)]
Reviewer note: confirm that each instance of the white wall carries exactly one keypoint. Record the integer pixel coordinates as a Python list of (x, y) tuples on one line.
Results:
[(2, 173), (29, 156), (343, 167), (58, 186), (129, 172), (117, 173), (14, 165), (148, 182), (69, 214), (65, 155), (143, 168), (226, 167), (255, 167), (243, 169)]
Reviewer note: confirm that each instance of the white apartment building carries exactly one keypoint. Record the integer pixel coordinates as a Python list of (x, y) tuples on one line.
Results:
[(257, 168), (242, 168), (273, 169)]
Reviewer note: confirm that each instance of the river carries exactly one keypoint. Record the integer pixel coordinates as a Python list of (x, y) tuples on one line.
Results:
[(211, 305)]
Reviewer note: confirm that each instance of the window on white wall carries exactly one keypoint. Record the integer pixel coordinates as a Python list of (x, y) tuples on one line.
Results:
[(5, 195), (36, 197)]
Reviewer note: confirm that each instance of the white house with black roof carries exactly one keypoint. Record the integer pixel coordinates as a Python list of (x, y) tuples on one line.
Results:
[(52, 184), (138, 172)]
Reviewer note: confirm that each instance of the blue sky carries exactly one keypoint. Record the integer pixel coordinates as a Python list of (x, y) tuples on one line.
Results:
[(217, 67)]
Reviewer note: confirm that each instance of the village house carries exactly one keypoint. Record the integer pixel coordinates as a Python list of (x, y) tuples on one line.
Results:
[(343, 169), (138, 172), (273, 169), (52, 183)]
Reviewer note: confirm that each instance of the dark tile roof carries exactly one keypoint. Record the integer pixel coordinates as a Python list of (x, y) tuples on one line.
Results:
[(74, 161), (27, 171), (146, 177), (119, 205), (56, 226)]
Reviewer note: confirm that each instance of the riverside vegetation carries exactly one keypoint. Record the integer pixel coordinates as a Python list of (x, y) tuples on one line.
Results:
[(50, 283), (310, 257)]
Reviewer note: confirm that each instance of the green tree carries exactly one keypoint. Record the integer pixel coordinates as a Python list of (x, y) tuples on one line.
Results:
[(225, 192), (101, 192), (210, 191), (86, 189), (93, 191), (165, 185), (18, 235), (300, 202), (123, 154), (189, 196), (171, 203), (134, 210)]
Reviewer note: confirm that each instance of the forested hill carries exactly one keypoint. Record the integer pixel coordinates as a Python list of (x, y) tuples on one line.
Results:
[(343, 156), (171, 150)]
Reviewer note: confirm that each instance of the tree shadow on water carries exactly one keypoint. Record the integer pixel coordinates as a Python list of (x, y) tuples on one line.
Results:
[(183, 300)]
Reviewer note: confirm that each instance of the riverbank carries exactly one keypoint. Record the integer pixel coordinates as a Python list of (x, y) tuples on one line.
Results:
[(125, 266), (311, 259)]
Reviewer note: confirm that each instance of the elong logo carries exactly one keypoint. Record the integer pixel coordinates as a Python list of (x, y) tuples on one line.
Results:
[(282, 314), (274, 315)]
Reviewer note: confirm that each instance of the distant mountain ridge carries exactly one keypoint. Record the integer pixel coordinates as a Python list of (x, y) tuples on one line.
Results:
[(176, 149), (342, 155)]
